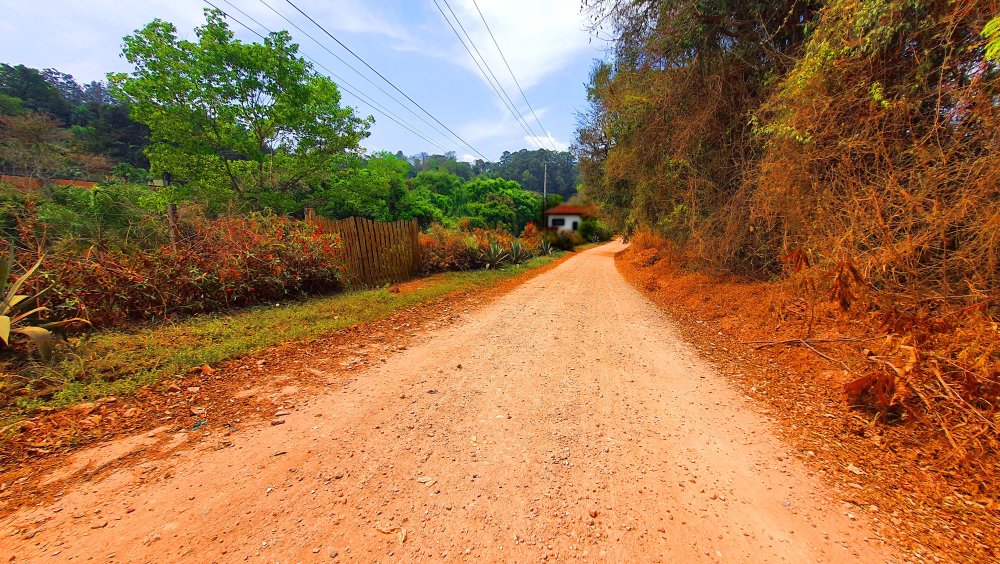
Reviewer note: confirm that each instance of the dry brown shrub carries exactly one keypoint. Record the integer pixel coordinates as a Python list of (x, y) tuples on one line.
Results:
[(882, 160), (861, 160)]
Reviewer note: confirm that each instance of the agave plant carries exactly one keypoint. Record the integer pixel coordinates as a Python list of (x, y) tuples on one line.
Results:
[(546, 248), (518, 253), (494, 255), (21, 314)]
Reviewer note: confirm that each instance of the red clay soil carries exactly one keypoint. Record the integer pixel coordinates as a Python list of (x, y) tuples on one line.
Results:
[(563, 420), (212, 400), (905, 476)]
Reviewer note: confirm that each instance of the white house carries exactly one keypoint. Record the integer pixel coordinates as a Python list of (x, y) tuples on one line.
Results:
[(564, 217)]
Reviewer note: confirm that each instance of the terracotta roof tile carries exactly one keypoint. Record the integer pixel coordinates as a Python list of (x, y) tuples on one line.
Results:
[(566, 209)]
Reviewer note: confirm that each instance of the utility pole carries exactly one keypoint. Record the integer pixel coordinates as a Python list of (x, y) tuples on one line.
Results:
[(545, 193)]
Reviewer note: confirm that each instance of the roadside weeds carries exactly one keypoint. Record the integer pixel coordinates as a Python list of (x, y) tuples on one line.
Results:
[(938, 509)]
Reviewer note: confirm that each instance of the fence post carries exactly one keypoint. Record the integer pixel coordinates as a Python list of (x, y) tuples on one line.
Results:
[(415, 235), (362, 250)]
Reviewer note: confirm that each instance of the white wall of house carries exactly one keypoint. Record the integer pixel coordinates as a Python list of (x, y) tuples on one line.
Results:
[(568, 222)]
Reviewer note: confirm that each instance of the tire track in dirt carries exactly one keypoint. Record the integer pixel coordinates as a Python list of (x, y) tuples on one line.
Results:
[(566, 420)]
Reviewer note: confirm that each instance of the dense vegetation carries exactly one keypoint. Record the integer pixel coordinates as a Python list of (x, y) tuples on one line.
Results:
[(236, 126), (849, 144), (526, 167), (851, 129), (241, 137), (53, 127)]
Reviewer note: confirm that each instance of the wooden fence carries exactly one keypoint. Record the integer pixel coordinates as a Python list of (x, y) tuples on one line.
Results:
[(376, 252)]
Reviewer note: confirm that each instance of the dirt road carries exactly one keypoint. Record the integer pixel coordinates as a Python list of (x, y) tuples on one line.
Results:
[(566, 420)]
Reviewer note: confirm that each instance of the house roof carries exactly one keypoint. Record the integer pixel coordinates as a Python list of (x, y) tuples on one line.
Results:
[(565, 209)]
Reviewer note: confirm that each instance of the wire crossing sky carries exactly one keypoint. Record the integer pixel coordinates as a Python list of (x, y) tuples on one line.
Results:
[(342, 83), (535, 58), (510, 70), (491, 77)]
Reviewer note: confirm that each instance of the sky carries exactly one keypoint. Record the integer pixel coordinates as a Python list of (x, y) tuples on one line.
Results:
[(407, 41)]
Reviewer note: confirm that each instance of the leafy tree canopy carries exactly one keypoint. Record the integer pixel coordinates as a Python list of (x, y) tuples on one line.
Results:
[(33, 93), (34, 145), (528, 167), (254, 117), (98, 123)]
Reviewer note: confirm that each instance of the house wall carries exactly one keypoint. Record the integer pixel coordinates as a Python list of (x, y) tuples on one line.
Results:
[(569, 221)]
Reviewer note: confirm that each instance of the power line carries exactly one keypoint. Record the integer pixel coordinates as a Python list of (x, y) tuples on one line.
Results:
[(343, 84), (511, 71), (511, 107), (356, 71), (245, 26), (389, 82)]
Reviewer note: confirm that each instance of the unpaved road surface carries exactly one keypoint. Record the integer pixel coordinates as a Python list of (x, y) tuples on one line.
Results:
[(566, 420)]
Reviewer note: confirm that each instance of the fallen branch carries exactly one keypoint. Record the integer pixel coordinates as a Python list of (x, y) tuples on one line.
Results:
[(808, 343), (764, 344)]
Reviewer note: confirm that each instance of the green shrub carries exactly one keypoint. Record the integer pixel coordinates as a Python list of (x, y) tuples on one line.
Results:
[(22, 313), (112, 215), (545, 248), (494, 255), (593, 231), (563, 240), (444, 249), (130, 173), (518, 253)]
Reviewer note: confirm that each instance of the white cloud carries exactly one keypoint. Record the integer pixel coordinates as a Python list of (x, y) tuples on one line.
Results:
[(546, 142), (466, 157), (537, 38), (481, 130), (505, 127), (84, 38), (357, 17), (352, 16)]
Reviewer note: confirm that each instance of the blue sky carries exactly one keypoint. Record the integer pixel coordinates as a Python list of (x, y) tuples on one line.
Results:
[(408, 41)]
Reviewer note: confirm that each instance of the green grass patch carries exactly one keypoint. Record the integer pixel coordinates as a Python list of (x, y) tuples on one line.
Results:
[(115, 363)]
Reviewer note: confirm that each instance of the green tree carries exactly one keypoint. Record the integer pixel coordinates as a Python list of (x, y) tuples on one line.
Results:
[(423, 205), (34, 145), (374, 188), (252, 115), (107, 129), (11, 105), (444, 184), (444, 163), (392, 171), (353, 190), (34, 92), (528, 168), (498, 201)]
